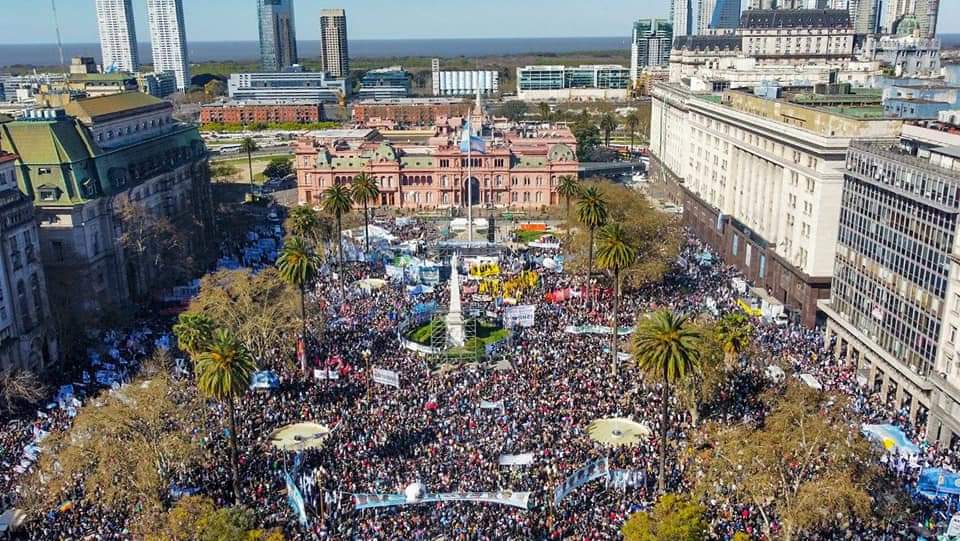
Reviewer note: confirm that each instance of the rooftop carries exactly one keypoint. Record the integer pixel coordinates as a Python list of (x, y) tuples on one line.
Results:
[(93, 109), (7, 157), (412, 101), (795, 18), (343, 134), (249, 103)]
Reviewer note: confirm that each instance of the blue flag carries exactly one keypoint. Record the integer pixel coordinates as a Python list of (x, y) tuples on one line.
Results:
[(471, 143)]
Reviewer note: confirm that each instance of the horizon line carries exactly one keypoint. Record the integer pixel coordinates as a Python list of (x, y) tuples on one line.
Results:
[(623, 36)]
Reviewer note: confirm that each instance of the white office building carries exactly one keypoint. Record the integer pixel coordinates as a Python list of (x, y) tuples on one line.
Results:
[(169, 38), (287, 86), (464, 83), (118, 36)]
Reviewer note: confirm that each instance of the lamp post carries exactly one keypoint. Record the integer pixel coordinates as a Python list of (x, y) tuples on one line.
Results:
[(366, 359)]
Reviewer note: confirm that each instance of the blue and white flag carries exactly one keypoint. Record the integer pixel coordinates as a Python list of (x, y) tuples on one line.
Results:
[(470, 142)]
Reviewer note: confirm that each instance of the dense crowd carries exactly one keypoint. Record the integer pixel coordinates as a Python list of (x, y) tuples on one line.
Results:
[(432, 429)]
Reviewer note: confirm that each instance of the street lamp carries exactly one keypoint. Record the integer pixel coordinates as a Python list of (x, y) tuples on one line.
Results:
[(366, 360)]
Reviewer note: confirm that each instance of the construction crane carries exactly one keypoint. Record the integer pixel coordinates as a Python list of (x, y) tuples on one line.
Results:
[(56, 22)]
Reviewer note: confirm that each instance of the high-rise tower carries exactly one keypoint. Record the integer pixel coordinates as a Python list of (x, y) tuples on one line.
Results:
[(278, 34), (335, 57), (168, 37), (118, 35)]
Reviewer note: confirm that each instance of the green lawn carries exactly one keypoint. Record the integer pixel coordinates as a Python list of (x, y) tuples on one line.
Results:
[(486, 334), (529, 236)]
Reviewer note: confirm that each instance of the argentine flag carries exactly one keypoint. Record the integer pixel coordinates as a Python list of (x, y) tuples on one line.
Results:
[(470, 143)]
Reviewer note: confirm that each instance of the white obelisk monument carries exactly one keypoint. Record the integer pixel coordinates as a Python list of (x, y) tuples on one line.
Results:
[(456, 336)]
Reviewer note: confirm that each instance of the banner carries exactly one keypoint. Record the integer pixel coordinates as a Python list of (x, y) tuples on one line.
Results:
[(504, 497), (593, 470), (394, 273), (386, 377), (596, 329), (623, 479), (523, 315), (487, 405), (325, 374), (524, 459)]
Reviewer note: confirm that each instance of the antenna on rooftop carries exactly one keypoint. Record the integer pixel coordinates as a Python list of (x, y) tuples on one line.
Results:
[(56, 22)]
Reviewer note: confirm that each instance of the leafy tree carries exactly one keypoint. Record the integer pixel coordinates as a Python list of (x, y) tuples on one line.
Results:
[(193, 331), (615, 253), (704, 386), (260, 309), (279, 168), (223, 374), (214, 89), (592, 213), (363, 190), (248, 146), (673, 518), (197, 518), (568, 187), (588, 137), (338, 201), (543, 109), (656, 236), (734, 331), (141, 434), (299, 265), (223, 171), (666, 346), (804, 466), (514, 110), (608, 124), (632, 122)]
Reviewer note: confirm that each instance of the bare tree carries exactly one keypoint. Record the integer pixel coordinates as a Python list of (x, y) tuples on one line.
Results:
[(18, 386)]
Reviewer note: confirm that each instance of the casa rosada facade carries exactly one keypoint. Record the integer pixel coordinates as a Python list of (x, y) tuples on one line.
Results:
[(519, 172)]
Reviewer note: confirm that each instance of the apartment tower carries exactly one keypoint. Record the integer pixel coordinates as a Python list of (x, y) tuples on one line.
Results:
[(169, 40), (118, 35), (335, 57)]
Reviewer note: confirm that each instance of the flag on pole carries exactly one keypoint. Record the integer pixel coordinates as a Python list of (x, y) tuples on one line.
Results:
[(470, 142)]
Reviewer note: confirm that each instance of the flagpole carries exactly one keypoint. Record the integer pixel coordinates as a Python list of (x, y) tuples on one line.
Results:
[(469, 183)]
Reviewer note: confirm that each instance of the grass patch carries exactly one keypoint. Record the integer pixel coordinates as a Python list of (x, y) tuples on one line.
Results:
[(529, 236), (486, 334)]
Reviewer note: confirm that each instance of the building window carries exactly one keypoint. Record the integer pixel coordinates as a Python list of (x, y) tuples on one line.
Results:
[(47, 194), (57, 246), (15, 252), (44, 171), (736, 244), (28, 247), (23, 306), (37, 295)]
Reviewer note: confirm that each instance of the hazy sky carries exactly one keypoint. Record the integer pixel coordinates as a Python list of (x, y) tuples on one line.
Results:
[(30, 21)]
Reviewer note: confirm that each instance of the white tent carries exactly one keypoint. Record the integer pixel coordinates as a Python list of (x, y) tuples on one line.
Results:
[(774, 373)]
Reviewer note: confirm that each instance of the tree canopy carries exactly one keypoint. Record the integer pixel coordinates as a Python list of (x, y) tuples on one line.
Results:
[(806, 465), (142, 434), (279, 168), (673, 518), (197, 518)]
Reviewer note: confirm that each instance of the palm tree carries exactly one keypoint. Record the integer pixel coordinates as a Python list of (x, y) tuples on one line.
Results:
[(223, 374), (194, 332), (304, 222), (338, 201), (666, 345), (544, 108), (615, 252), (592, 212), (249, 146), (569, 188), (608, 124), (633, 122), (364, 190), (734, 333), (298, 265)]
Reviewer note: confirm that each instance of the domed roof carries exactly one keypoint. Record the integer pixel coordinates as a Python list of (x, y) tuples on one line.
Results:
[(561, 153), (385, 152)]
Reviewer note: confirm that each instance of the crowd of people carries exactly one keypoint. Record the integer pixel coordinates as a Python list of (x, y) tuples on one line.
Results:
[(432, 430)]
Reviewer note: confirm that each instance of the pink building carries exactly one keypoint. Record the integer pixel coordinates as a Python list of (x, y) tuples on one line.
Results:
[(516, 171)]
